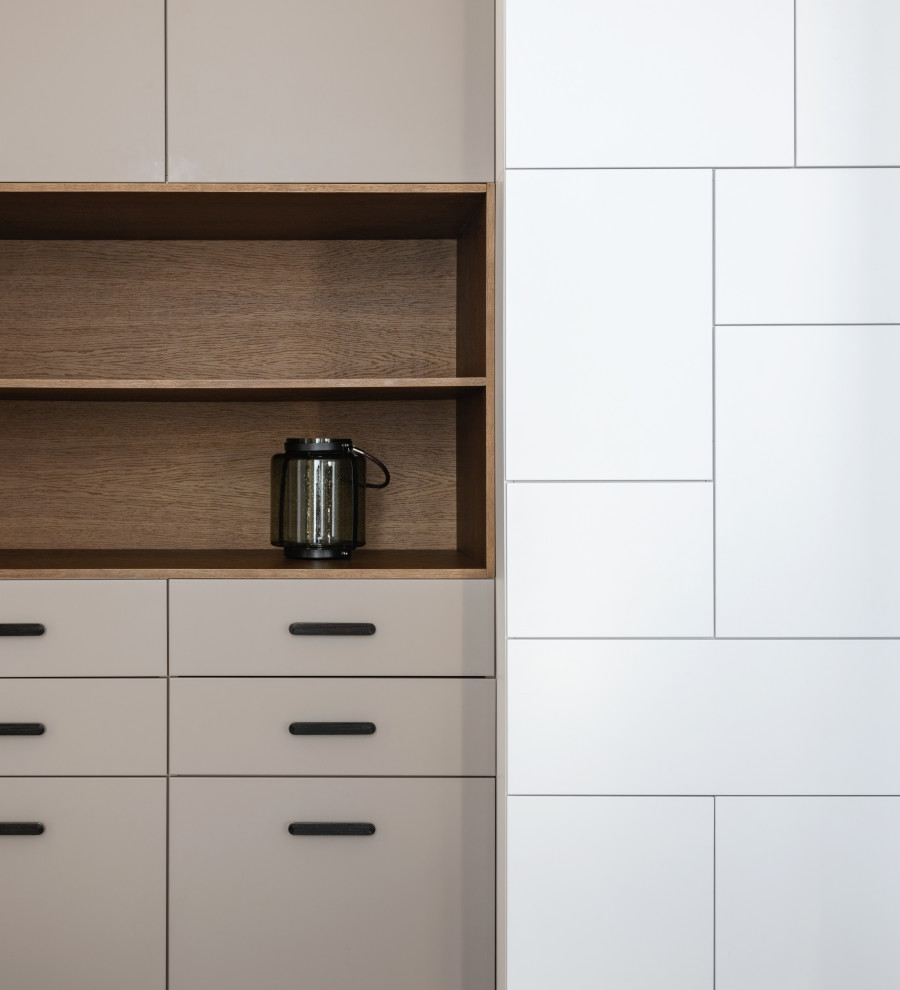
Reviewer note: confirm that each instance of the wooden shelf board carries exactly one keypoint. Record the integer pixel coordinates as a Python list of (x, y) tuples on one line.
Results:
[(146, 390), (35, 564)]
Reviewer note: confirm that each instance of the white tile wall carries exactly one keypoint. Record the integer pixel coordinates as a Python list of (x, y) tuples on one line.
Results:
[(807, 893), (848, 82), (610, 892), (704, 717), (608, 316), (808, 246), (609, 559), (649, 83), (621, 680), (808, 481)]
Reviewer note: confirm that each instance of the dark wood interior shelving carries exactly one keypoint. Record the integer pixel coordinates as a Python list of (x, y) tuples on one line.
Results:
[(159, 342)]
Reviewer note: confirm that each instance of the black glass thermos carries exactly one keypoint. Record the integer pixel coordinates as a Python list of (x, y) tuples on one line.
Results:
[(319, 498)]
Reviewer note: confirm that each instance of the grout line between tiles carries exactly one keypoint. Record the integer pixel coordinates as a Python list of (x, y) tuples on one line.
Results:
[(719, 639), (168, 766), (795, 83)]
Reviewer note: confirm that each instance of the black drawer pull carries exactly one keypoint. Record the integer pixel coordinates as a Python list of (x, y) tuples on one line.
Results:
[(331, 629), (331, 828), (22, 629), (332, 728), (21, 729), (21, 828)]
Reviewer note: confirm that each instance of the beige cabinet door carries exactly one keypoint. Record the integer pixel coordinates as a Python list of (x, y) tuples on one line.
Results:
[(83, 903), (344, 91), (409, 906), (82, 91)]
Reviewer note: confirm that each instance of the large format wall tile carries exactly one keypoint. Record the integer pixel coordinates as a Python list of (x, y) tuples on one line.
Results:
[(808, 246), (610, 892), (808, 481), (343, 91), (848, 82), (609, 559), (82, 91), (704, 717), (655, 83), (608, 314), (807, 893)]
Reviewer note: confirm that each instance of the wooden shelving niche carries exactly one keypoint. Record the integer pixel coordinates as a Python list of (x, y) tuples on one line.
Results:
[(159, 342)]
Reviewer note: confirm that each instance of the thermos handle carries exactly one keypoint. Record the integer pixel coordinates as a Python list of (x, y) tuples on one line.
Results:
[(387, 474)]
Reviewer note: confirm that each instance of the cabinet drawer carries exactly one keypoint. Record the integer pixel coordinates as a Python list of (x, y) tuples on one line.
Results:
[(86, 727), (421, 628), (324, 726), (408, 907), (90, 628), (84, 903)]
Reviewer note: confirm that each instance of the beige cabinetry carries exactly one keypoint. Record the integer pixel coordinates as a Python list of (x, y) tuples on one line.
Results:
[(345, 91), (335, 829), (82, 91), (84, 900), (405, 904)]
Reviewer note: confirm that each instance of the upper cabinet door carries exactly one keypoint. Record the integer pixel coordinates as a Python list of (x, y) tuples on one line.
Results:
[(345, 91), (82, 91)]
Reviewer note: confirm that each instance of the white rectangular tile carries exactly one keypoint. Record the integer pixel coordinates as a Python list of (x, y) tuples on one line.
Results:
[(609, 559), (808, 246), (807, 893), (808, 481), (608, 324), (610, 892), (848, 82), (655, 83), (704, 717)]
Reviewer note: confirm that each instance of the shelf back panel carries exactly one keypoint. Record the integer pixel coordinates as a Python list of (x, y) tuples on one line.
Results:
[(227, 309), (195, 476)]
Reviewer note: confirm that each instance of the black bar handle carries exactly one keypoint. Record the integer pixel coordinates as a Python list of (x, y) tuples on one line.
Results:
[(22, 729), (332, 728), (22, 629), (331, 629), (331, 828), (21, 828)]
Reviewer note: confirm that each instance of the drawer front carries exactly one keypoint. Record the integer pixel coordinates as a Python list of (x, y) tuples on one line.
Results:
[(408, 907), (421, 628), (84, 903), (323, 726), (86, 727), (90, 628)]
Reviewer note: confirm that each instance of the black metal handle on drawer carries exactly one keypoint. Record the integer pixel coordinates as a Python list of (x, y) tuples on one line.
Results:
[(22, 629), (331, 828), (331, 629), (21, 729), (21, 828), (332, 728)]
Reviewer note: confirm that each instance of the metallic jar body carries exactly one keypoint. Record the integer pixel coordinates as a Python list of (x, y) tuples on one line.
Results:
[(318, 508)]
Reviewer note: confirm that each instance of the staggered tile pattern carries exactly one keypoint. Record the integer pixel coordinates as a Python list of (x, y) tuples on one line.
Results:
[(702, 309)]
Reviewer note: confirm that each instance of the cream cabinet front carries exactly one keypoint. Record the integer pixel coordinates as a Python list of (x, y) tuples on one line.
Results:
[(83, 868), (346, 91), (346, 882), (83, 91)]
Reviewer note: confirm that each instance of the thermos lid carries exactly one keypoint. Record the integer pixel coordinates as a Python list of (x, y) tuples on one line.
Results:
[(316, 445)]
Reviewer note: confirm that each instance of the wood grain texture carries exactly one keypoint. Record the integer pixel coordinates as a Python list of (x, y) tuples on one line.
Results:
[(241, 212), (152, 564), (227, 309), (184, 475)]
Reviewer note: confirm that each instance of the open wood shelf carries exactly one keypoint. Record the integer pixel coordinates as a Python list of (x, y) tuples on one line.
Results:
[(35, 564), (248, 389), (159, 342)]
